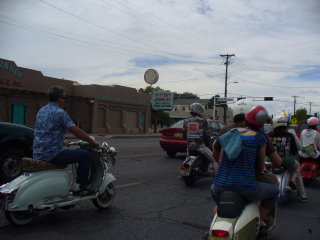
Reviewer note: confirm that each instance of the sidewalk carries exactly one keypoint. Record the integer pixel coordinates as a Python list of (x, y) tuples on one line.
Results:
[(108, 136)]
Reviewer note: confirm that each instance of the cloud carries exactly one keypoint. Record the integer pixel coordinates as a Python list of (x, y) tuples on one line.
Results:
[(114, 42)]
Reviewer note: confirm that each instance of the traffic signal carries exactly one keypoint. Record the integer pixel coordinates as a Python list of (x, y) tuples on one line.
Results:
[(268, 98)]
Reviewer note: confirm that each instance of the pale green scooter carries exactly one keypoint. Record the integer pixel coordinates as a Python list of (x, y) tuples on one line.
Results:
[(238, 219), (44, 186)]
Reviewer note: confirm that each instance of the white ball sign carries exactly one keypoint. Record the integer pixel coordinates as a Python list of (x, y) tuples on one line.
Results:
[(151, 76)]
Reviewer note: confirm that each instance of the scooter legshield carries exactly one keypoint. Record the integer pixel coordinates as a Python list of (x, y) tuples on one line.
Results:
[(309, 169), (34, 189), (283, 179)]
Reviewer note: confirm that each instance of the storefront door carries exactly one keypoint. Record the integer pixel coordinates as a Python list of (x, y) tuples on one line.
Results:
[(18, 113)]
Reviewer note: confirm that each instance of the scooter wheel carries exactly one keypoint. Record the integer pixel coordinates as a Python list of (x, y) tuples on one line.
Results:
[(19, 217), (189, 180), (105, 199)]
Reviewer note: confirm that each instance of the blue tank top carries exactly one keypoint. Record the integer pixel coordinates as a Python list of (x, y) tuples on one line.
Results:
[(241, 173)]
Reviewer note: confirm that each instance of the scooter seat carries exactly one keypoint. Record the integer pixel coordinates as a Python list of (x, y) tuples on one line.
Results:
[(34, 165)]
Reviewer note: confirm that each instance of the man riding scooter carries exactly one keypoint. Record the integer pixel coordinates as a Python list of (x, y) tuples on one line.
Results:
[(286, 146), (50, 127), (197, 132)]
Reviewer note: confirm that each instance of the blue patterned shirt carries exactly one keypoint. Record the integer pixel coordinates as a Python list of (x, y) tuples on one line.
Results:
[(50, 127)]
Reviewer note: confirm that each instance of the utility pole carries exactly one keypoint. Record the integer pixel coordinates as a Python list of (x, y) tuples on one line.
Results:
[(310, 108), (294, 104), (226, 56)]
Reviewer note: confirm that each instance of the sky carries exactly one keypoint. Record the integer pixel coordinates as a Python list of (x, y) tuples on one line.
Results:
[(275, 45)]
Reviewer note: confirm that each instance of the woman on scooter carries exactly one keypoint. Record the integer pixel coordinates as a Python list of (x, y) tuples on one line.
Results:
[(310, 140), (240, 175)]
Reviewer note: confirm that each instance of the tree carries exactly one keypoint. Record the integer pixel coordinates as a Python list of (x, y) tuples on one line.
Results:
[(301, 114), (149, 89), (164, 119), (185, 95)]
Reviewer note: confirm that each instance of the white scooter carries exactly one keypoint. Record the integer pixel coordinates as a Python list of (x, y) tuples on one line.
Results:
[(45, 186)]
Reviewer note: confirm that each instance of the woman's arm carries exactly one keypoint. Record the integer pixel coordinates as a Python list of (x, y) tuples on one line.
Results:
[(261, 158)]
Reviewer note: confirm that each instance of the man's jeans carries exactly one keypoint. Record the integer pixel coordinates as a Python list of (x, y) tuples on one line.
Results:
[(80, 156)]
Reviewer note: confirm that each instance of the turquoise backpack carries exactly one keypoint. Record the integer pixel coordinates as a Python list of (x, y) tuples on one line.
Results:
[(231, 143)]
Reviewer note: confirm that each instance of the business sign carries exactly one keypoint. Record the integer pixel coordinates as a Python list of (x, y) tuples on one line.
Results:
[(151, 76), (162, 100)]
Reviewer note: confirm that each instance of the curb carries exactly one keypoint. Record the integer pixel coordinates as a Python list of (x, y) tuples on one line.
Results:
[(118, 136)]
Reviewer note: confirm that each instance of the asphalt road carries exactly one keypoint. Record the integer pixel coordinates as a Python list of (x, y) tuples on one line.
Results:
[(153, 203)]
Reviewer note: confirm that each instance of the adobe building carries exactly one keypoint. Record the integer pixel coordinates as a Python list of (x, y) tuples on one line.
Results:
[(94, 108)]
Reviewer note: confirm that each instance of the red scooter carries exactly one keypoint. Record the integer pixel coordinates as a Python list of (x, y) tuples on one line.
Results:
[(310, 169)]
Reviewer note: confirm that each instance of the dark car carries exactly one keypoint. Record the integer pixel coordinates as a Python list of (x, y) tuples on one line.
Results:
[(171, 139), (15, 142)]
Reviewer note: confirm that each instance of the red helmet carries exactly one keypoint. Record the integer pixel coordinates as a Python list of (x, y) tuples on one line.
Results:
[(257, 116)]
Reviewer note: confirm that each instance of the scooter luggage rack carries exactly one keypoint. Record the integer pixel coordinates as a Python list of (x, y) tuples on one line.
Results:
[(34, 165)]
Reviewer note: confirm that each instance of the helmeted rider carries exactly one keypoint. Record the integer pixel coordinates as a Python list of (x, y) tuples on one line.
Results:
[(239, 109), (197, 131), (286, 145), (310, 140)]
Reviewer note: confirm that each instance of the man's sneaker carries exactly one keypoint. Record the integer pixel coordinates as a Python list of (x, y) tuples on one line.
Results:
[(83, 192), (304, 199)]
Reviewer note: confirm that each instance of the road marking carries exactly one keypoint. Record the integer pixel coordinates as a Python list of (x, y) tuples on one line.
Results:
[(128, 185)]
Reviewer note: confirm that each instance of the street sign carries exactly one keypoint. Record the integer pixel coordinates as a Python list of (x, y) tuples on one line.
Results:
[(162, 100), (224, 100), (293, 120)]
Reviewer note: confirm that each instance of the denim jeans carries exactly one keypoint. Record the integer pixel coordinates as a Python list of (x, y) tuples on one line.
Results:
[(80, 156), (265, 192)]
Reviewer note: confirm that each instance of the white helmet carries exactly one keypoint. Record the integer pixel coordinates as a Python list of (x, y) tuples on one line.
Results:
[(280, 120), (242, 106)]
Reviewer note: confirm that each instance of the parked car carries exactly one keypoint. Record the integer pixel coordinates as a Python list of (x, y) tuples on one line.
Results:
[(301, 126), (15, 142), (171, 139)]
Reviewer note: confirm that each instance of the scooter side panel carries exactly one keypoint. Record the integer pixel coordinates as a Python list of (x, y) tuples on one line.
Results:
[(108, 179), (226, 224), (249, 213), (41, 187)]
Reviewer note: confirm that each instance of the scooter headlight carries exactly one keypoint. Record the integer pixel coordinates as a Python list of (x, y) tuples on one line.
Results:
[(113, 151)]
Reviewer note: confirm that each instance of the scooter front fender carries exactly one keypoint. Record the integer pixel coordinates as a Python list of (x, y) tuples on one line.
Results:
[(106, 181)]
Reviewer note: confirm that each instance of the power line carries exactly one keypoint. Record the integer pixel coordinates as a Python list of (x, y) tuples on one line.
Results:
[(179, 56), (269, 85)]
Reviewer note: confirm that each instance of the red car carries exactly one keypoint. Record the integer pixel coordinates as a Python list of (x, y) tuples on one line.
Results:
[(171, 139)]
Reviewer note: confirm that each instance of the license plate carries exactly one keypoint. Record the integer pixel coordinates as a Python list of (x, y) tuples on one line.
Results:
[(178, 135), (185, 171)]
